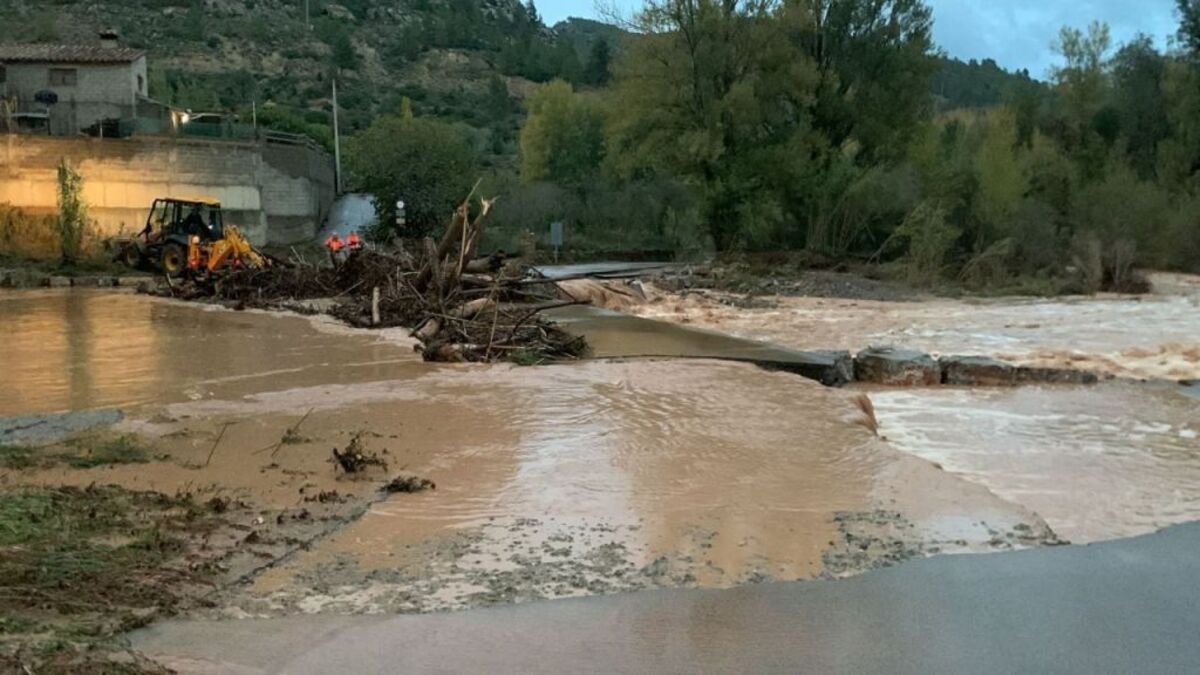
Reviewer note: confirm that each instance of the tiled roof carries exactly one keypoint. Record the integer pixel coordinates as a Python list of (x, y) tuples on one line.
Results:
[(11, 53)]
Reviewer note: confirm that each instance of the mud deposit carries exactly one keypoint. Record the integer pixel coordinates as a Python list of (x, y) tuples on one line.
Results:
[(555, 481), (1154, 336)]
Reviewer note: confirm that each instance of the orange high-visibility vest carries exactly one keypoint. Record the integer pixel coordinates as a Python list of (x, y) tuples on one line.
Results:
[(194, 252), (353, 241), (334, 243)]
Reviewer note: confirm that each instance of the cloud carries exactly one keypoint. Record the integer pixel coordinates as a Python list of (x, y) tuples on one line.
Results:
[(1016, 33), (1019, 33)]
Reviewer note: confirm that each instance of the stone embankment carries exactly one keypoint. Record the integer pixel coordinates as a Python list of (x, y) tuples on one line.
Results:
[(909, 368)]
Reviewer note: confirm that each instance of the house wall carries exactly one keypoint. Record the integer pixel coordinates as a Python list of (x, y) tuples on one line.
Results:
[(276, 194), (101, 91)]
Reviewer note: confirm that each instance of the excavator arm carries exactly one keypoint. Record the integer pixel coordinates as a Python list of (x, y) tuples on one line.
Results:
[(234, 249)]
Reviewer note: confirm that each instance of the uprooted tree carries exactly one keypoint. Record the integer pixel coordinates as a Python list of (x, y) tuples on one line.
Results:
[(459, 306)]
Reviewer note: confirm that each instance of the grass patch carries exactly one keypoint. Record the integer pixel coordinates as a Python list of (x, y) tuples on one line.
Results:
[(16, 457), (101, 452), (78, 566)]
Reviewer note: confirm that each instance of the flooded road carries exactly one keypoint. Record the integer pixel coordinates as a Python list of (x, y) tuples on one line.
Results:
[(558, 481), (1114, 460), (1153, 336)]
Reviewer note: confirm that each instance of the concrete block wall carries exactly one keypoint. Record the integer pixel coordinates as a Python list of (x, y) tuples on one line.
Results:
[(273, 196)]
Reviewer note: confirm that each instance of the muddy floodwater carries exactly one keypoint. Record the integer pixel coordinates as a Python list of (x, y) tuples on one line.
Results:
[(1152, 336), (555, 481), (611, 474), (1114, 460), (82, 349)]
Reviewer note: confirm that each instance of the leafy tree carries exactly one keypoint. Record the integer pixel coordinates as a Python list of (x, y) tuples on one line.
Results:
[(1139, 103), (499, 102), (72, 212), (1081, 84), (1189, 26), (344, 55), (709, 93), (563, 137), (874, 60), (596, 72), (427, 163)]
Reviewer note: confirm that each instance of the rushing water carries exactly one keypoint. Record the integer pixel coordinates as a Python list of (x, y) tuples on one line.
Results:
[(1101, 462), (1153, 336)]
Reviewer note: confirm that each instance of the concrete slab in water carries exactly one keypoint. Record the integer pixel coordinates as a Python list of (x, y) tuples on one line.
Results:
[(615, 335), (1120, 607)]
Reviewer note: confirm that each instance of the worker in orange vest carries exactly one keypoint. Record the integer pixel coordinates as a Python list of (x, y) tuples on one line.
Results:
[(335, 246), (353, 242)]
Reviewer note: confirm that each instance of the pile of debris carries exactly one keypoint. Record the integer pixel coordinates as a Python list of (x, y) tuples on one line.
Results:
[(460, 307)]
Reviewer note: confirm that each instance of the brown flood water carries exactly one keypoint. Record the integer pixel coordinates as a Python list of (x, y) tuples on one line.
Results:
[(1152, 336), (80, 349), (1114, 460), (553, 481)]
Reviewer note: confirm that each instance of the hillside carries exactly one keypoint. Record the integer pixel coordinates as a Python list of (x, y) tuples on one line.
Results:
[(463, 60), (978, 84), (469, 61)]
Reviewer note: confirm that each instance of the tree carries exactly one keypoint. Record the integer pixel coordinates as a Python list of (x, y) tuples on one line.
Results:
[(1189, 26), (875, 62), (709, 93), (596, 72), (563, 136), (1138, 100), (1082, 86), (72, 212), (427, 163), (344, 55)]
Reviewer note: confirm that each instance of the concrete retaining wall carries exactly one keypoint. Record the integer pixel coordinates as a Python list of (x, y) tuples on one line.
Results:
[(277, 194)]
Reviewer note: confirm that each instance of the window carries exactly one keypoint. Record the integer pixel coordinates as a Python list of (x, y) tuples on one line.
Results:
[(63, 77)]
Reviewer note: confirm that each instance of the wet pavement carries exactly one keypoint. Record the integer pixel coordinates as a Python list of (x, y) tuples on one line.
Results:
[(1119, 607), (615, 335)]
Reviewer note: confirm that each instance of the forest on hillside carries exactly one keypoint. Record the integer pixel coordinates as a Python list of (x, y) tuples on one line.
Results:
[(817, 126), (830, 126)]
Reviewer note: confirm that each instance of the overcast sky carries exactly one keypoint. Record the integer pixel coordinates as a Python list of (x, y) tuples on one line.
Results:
[(1017, 33)]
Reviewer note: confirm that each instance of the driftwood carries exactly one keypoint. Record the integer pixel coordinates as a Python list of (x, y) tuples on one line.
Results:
[(459, 307)]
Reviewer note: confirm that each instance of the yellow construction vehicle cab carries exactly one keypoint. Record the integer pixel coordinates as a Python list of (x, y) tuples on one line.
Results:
[(188, 234)]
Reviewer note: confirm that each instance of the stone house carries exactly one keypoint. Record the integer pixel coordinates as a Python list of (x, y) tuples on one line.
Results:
[(90, 82)]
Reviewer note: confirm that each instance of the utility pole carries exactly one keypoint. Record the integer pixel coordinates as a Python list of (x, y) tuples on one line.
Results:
[(337, 144)]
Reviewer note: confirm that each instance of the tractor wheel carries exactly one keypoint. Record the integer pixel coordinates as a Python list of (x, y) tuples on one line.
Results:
[(131, 257), (173, 259)]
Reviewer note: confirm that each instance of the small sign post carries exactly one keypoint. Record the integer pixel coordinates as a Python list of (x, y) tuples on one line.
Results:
[(556, 237)]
